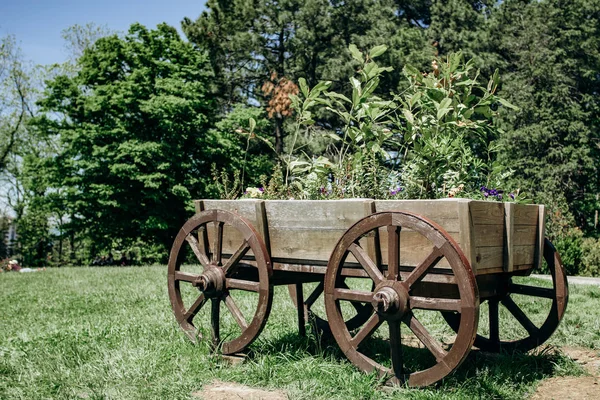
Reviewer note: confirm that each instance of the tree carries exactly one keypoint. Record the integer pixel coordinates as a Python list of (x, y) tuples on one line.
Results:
[(14, 97), (79, 38), (271, 44), (135, 146), (552, 53)]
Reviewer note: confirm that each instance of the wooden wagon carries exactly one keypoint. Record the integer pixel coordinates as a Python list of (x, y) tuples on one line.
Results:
[(379, 265)]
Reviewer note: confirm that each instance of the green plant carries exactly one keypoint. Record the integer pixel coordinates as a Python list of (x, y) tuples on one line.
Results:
[(227, 188), (569, 246), (447, 129), (590, 260)]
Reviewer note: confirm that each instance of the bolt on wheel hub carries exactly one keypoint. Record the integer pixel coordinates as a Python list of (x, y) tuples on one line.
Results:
[(211, 282), (390, 300)]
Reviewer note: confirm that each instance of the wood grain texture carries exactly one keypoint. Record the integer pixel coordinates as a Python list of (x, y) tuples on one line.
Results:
[(309, 230), (444, 211), (509, 236)]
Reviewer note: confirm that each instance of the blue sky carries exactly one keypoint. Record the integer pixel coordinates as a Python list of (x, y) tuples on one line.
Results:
[(37, 24)]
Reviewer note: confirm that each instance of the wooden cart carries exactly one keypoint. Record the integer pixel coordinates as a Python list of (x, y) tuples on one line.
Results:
[(378, 265)]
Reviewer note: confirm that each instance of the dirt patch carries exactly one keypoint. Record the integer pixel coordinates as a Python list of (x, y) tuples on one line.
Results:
[(589, 359), (586, 387), (227, 391)]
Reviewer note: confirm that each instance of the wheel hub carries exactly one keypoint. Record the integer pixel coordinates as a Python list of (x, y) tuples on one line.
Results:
[(211, 282), (390, 300)]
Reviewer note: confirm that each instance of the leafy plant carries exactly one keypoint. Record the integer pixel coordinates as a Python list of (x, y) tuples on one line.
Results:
[(447, 128)]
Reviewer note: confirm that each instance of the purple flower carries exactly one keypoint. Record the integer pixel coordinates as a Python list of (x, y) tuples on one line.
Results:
[(512, 196), (261, 189), (395, 191), (500, 196)]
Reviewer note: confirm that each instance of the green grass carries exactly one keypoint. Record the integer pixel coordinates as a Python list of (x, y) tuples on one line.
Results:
[(108, 333)]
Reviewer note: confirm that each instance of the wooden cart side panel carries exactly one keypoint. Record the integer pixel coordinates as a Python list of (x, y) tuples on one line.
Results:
[(414, 248), (524, 247), (309, 230), (443, 212), (249, 209), (504, 236)]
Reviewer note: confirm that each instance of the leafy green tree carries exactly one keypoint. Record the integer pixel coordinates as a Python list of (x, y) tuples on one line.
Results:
[(134, 141)]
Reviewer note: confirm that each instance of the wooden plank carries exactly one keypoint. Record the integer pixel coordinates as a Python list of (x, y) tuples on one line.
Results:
[(520, 270), (444, 212), (373, 247), (202, 235), (244, 207), (540, 235), (526, 214), (487, 212), (509, 240), (262, 224), (489, 257), (488, 235), (310, 229), (523, 255), (413, 248), (314, 214), (466, 238)]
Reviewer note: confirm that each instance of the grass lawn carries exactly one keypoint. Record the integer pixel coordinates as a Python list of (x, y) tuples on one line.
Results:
[(109, 333)]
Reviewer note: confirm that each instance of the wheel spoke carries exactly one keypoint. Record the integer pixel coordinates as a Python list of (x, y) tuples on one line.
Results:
[(430, 342), (516, 311), (193, 310), (363, 258), (214, 321), (526, 290), (419, 272), (186, 276), (367, 329), (314, 295), (396, 348), (429, 303), (232, 263), (352, 295), (494, 322), (235, 311), (360, 308), (194, 245), (240, 284), (218, 243), (203, 237), (393, 251)]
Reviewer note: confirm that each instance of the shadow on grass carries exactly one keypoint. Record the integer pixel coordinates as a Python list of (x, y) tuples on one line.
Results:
[(481, 374)]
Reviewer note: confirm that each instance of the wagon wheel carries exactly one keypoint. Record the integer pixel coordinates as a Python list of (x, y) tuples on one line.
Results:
[(361, 312), (217, 276), (394, 299), (559, 294)]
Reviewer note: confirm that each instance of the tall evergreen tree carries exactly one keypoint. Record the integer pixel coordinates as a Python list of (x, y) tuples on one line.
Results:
[(552, 52)]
